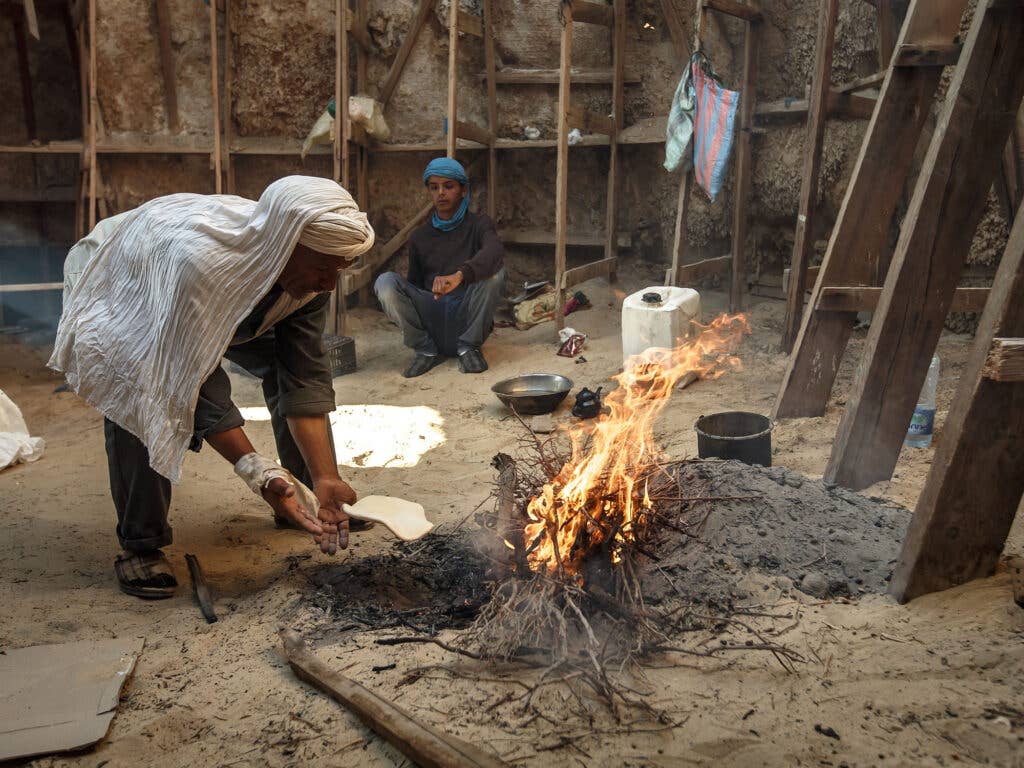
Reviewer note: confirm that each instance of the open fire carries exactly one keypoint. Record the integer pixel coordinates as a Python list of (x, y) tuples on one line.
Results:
[(599, 499)]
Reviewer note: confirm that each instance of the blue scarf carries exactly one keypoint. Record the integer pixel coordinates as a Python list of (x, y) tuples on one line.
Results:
[(448, 168)]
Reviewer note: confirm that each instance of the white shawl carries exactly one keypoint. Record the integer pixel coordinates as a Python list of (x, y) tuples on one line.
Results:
[(155, 308)]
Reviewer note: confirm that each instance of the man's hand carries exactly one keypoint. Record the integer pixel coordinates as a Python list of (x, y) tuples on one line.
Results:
[(280, 494), (445, 284), (332, 492)]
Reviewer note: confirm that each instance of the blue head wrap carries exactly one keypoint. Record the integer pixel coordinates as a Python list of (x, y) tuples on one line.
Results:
[(448, 168)]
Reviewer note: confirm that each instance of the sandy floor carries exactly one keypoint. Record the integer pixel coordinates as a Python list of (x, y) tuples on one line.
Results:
[(938, 682)]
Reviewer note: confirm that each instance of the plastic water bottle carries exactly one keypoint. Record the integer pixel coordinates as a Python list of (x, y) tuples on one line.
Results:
[(922, 423)]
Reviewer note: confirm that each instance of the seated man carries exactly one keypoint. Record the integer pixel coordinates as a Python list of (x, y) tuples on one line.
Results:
[(456, 276), (156, 297)]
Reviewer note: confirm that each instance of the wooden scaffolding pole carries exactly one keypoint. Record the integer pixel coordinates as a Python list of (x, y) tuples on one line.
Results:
[(611, 245), (341, 90), (743, 159), (975, 483), (452, 132), (215, 88), (492, 111), (562, 168), (93, 109), (803, 243), (858, 248), (163, 23), (226, 107), (961, 164)]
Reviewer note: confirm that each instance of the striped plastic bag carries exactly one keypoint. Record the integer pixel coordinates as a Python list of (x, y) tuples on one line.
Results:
[(714, 126)]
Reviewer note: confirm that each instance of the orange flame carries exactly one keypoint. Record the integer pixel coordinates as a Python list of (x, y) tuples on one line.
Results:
[(593, 501)]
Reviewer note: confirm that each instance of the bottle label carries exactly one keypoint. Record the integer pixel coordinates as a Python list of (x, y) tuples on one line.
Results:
[(922, 422)]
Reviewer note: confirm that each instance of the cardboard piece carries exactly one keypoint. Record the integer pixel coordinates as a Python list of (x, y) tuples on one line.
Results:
[(55, 698)]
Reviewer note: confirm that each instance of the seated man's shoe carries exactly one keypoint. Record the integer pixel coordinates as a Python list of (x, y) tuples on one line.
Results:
[(421, 364), (145, 574), (472, 361)]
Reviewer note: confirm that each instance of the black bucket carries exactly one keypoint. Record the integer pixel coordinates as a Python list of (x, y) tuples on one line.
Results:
[(739, 435)]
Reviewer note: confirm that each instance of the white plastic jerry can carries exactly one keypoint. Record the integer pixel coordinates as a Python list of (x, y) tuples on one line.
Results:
[(657, 317)]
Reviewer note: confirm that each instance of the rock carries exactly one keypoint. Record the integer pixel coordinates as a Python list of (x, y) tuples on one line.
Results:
[(814, 584), (542, 424), (794, 481)]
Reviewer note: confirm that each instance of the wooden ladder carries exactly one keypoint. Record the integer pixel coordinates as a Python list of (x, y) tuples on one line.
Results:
[(919, 290)]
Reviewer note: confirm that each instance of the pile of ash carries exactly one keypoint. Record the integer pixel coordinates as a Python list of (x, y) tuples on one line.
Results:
[(827, 542)]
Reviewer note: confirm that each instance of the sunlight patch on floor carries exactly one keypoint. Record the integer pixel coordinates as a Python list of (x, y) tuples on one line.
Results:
[(377, 435)]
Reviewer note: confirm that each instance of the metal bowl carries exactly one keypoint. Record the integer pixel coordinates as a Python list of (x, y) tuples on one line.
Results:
[(534, 393)]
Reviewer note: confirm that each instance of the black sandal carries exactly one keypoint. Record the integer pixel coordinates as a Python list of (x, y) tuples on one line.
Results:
[(145, 574)]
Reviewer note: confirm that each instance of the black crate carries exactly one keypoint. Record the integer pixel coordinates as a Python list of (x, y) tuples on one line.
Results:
[(341, 354)]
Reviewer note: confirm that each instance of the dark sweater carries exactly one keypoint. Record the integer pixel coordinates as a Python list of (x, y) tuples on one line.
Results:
[(472, 247)]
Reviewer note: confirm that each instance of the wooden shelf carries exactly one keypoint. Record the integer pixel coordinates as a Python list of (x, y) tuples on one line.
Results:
[(544, 237), (580, 76)]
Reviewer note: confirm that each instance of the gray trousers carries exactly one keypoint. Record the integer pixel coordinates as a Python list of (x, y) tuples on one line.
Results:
[(450, 325), (142, 496)]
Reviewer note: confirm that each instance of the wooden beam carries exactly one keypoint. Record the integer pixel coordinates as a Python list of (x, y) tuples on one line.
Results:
[(13, 194), (743, 159), (27, 102), (691, 274), (31, 19), (590, 122), (492, 110), (843, 104), (473, 132), (229, 82), (453, 75), (1005, 361), (578, 275), (959, 169), (975, 483), (359, 31), (611, 218), (94, 107), (803, 241), (215, 88), (926, 55), (471, 24), (163, 23), (545, 237), (675, 31), (387, 90), (580, 76), (562, 161), (862, 83), (887, 32), (856, 298), (734, 8), (342, 136), (27, 287), (858, 250), (588, 12)]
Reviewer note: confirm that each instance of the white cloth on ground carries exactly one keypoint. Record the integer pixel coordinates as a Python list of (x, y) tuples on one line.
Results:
[(15, 443), (154, 309)]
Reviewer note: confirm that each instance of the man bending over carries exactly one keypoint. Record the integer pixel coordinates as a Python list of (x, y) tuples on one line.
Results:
[(156, 297), (456, 275)]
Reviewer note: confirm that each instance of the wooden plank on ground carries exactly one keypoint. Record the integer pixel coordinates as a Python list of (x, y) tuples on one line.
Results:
[(959, 169), (857, 298), (803, 241), (743, 159), (163, 23), (858, 250), (562, 162), (975, 483), (1005, 361), (691, 274), (387, 90)]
